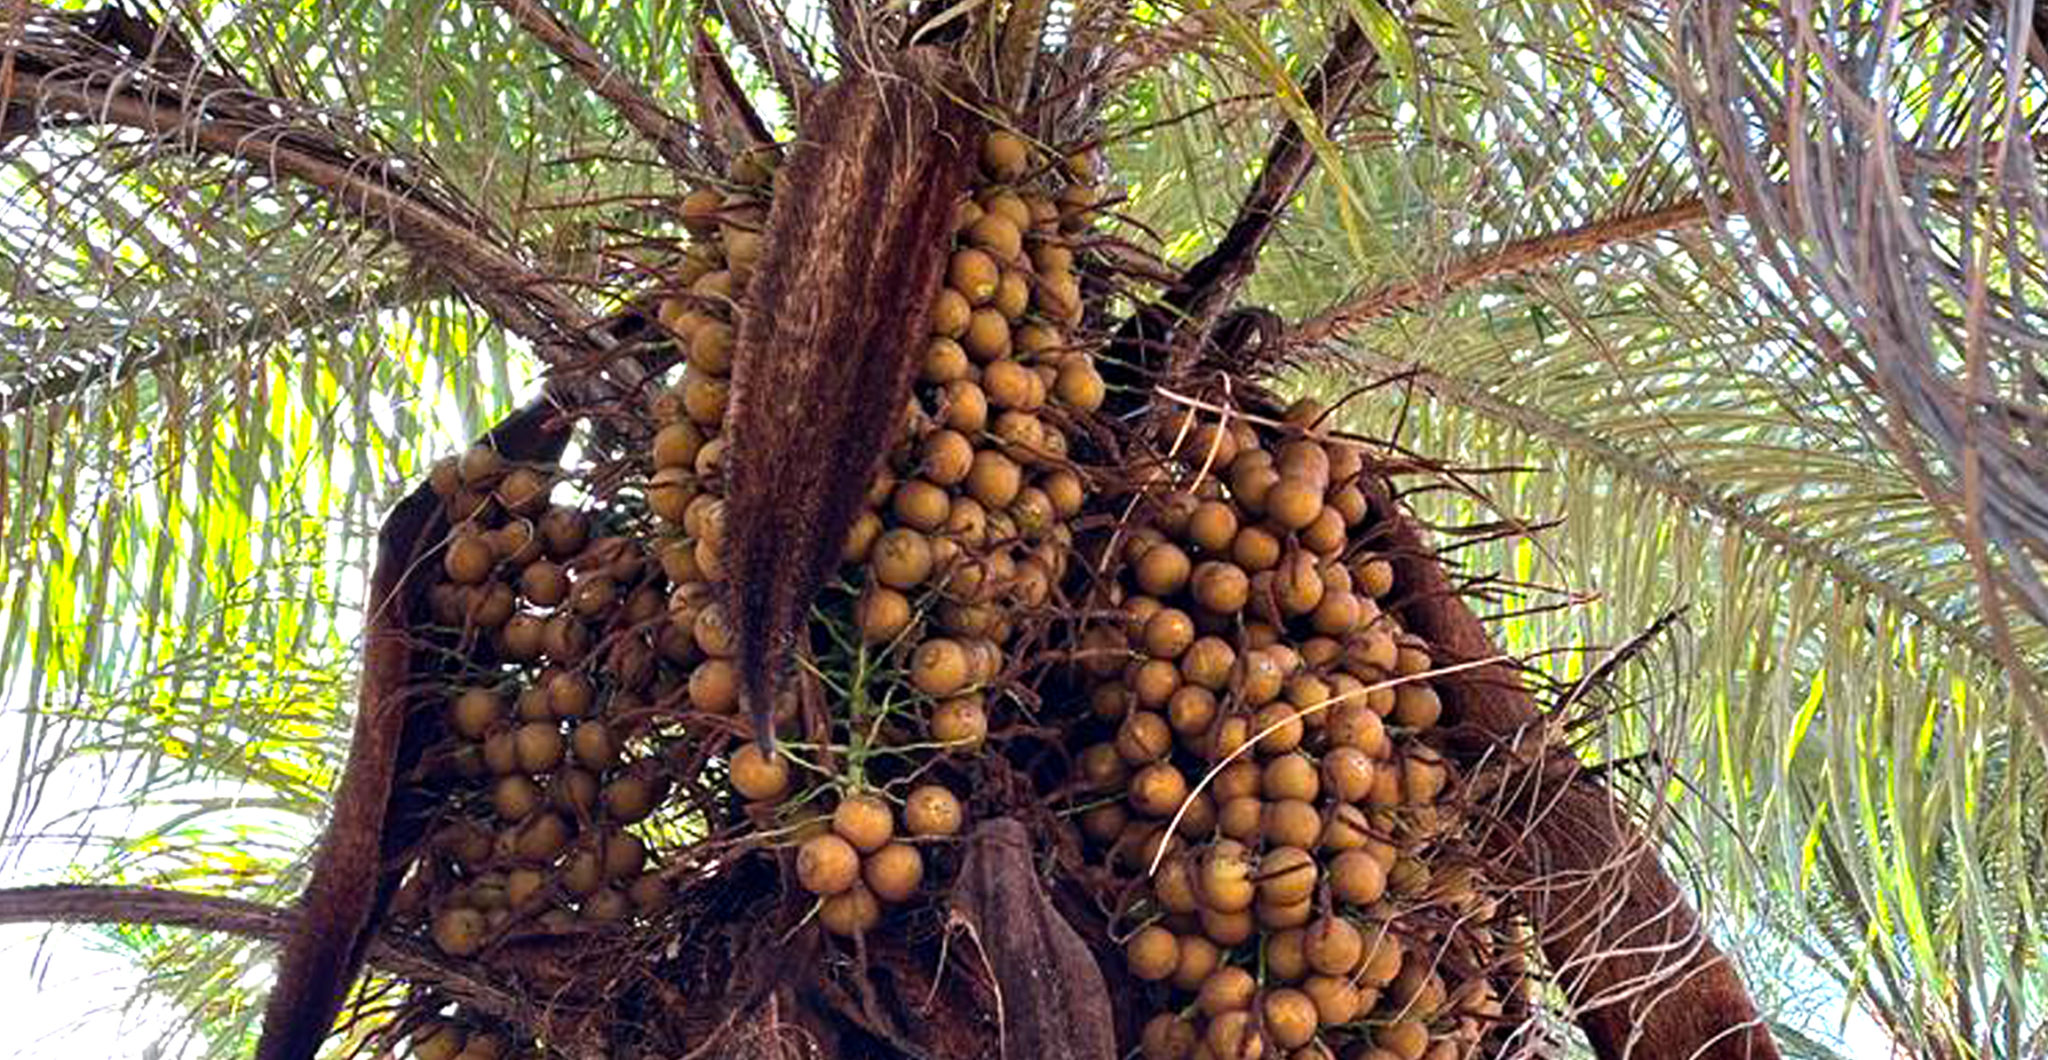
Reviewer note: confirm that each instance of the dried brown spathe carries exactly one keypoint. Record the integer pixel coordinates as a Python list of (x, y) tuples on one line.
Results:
[(834, 318)]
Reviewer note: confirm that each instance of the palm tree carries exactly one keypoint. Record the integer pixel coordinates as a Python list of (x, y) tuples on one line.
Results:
[(1724, 312)]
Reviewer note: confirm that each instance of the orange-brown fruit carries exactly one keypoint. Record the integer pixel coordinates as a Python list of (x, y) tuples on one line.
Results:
[(865, 821), (827, 864), (1357, 877), (1235, 1036), (1152, 953), (460, 931), (850, 912), (960, 723), (759, 776), (1228, 989), (940, 667), (1158, 789), (1166, 1037), (1291, 1018), (1333, 945), (932, 810), (894, 872), (1287, 875)]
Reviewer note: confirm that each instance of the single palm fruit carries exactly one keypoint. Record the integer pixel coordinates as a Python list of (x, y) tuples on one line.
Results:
[(998, 235), (1406, 1039), (1225, 877), (583, 873), (479, 466), (932, 810), (1240, 818), (944, 362), (570, 695), (1286, 875), (1335, 998), (574, 790), (1234, 1035), (894, 872), (594, 745), (1010, 385), (1228, 989), (1152, 953), (469, 559), (1013, 297), (1198, 959), (475, 712), (542, 838), (1255, 549), (940, 667), (545, 584), (1291, 822), (515, 797), (715, 687), (1357, 877), (995, 479), (1162, 570), (1423, 776), (1286, 961), (963, 406), (759, 776), (827, 864), (1144, 737), (1158, 789), (538, 746), (1333, 945), (1079, 386), (902, 558), (961, 724), (1005, 156), (881, 613), (460, 931), (1375, 576), (988, 334), (1347, 770), (1165, 1037), (865, 821), (1290, 776), (950, 313), (920, 505), (1416, 705), (973, 273), (629, 798), (850, 912), (946, 457), (1290, 1017), (1208, 663), (1169, 632), (1190, 710)]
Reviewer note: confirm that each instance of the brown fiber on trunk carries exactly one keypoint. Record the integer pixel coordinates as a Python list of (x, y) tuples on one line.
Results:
[(834, 319), (357, 868), (1050, 994), (1621, 938)]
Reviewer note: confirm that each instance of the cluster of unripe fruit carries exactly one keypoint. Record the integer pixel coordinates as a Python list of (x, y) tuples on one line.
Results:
[(1265, 764), (551, 749)]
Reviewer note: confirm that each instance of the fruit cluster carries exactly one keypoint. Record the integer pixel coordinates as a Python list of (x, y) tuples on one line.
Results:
[(966, 527), (1266, 765), (549, 719)]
